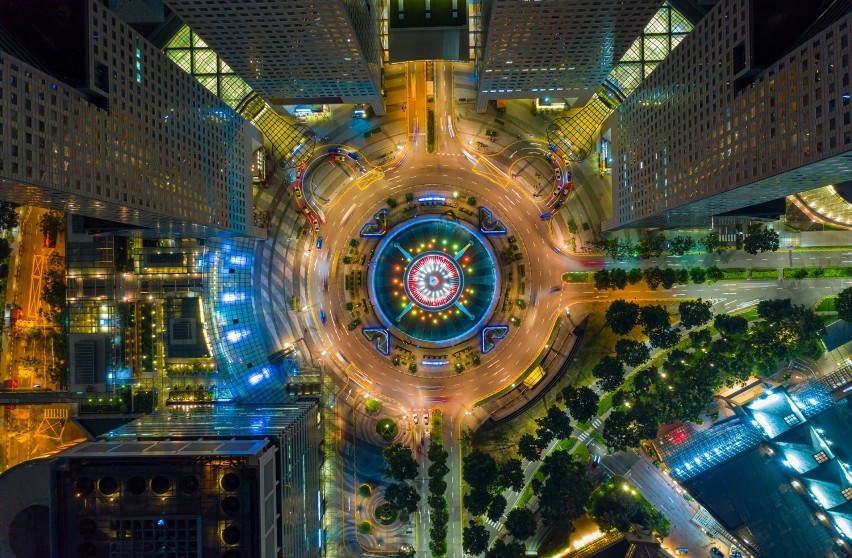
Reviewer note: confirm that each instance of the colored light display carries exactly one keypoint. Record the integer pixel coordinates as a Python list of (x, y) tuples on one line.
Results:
[(433, 281)]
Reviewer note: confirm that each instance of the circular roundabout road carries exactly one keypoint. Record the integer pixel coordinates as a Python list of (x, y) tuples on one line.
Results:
[(351, 281)]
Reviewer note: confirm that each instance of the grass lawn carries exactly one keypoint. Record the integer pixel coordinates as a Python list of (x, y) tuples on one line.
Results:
[(826, 304), (597, 436), (527, 494), (734, 273), (566, 444), (764, 274), (577, 277), (387, 429), (605, 403), (582, 453), (827, 318), (750, 314), (819, 272)]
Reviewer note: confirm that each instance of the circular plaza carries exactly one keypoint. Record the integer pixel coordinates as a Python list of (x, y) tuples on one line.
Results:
[(433, 281)]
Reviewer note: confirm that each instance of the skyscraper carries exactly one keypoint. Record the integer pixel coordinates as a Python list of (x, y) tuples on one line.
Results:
[(221, 481), (554, 48), (94, 120), (749, 108), (323, 51)]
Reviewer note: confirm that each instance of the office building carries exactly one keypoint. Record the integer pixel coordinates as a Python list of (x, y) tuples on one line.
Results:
[(184, 482), (554, 48), (96, 121), (774, 479), (751, 107), (324, 51)]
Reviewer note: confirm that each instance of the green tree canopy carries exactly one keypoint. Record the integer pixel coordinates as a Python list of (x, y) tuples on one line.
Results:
[(479, 470), (403, 497), (521, 524), (528, 447), (610, 373), (653, 317), (730, 326), (694, 313), (843, 304), (631, 352), (621, 316), (556, 421), (680, 245), (760, 239), (477, 501), (475, 538), (401, 463), (497, 507), (565, 491), (514, 549), (582, 402), (511, 474)]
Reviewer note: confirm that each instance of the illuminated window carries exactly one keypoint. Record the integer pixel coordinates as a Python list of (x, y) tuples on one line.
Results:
[(821, 457)]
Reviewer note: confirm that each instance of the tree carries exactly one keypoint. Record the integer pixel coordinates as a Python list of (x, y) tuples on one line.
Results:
[(438, 547), (497, 507), (437, 454), (521, 524), (51, 223), (8, 215), (602, 280), (401, 463), (528, 447), (618, 278), (625, 429), (663, 338), (653, 277), (651, 247), (476, 501), (53, 287), (514, 549), (511, 474), (617, 509), (634, 275), (566, 490), (403, 497), (700, 337), (582, 402), (843, 304), (668, 278), (556, 421), (698, 275), (610, 373), (680, 245), (695, 312), (730, 326), (5, 249), (653, 317), (479, 470), (621, 316), (712, 243), (682, 276), (774, 310), (714, 273), (438, 469), (760, 239), (475, 538), (437, 485), (632, 353)]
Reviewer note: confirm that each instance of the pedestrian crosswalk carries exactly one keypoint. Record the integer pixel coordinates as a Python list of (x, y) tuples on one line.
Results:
[(494, 524), (597, 423)]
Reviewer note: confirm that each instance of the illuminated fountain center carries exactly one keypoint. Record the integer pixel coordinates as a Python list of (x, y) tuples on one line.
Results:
[(434, 281)]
